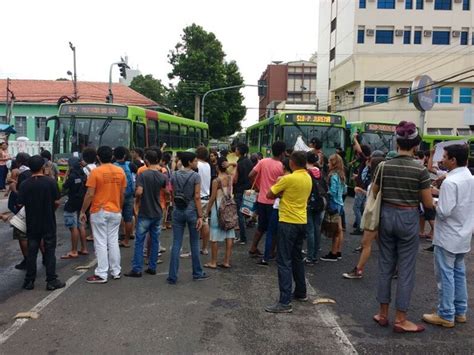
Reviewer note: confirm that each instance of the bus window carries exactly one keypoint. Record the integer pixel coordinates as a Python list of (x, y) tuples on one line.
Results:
[(193, 142), (174, 135), (152, 132), (140, 135), (185, 139), (163, 133)]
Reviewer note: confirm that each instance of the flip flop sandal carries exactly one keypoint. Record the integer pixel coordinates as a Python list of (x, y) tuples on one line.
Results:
[(69, 256), (224, 266), (398, 329), (83, 253), (382, 321), (207, 266)]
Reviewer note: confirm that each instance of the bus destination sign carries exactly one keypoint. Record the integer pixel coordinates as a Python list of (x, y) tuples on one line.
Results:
[(380, 127), (313, 118), (93, 110)]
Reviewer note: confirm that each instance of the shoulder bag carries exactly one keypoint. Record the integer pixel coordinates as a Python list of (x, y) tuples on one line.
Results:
[(371, 216)]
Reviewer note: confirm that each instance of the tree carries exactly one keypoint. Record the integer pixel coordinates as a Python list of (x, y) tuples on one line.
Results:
[(150, 87), (199, 65)]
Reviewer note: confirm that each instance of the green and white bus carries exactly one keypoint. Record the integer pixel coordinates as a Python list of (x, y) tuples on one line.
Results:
[(330, 128)]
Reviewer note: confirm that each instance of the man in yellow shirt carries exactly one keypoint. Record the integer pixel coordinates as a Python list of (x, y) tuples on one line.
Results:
[(294, 190)]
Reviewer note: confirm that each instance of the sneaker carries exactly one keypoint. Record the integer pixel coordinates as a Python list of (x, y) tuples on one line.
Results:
[(159, 261), (354, 274), (329, 257), (300, 299), (170, 281), (133, 274), (94, 279), (240, 242), (162, 249), (358, 249), (357, 231), (150, 271), (279, 308), (203, 277), (55, 284), (117, 277), (339, 256), (308, 262), (262, 263), (21, 266), (29, 285), (429, 249)]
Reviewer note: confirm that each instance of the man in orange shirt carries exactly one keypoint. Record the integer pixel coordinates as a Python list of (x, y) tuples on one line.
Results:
[(105, 195)]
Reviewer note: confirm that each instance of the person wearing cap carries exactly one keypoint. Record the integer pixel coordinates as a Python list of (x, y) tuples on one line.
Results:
[(75, 186), (40, 196), (404, 182)]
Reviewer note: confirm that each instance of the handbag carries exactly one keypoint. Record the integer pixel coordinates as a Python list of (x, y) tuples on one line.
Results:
[(249, 201), (371, 216)]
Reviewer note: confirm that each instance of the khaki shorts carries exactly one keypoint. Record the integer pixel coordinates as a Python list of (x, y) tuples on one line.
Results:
[(205, 218), (18, 234)]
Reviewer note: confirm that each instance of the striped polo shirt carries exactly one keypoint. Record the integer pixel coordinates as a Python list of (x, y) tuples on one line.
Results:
[(403, 179)]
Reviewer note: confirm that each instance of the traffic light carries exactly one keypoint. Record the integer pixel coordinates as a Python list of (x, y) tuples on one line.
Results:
[(123, 69)]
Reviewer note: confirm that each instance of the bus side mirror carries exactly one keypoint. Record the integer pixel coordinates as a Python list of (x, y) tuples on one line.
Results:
[(46, 134)]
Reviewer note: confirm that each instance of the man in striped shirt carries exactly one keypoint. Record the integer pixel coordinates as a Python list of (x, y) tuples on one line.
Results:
[(404, 183)]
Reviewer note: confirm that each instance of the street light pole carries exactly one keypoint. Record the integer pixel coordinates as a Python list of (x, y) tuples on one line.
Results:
[(122, 64), (74, 81), (222, 89)]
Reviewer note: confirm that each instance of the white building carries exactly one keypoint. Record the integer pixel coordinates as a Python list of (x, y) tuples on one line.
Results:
[(371, 50)]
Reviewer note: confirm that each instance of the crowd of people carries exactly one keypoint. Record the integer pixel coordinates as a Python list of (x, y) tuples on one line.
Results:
[(301, 195)]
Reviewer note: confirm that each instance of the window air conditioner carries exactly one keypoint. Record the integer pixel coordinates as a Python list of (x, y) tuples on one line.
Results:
[(349, 93), (456, 33), (398, 33), (427, 33), (370, 32), (403, 91)]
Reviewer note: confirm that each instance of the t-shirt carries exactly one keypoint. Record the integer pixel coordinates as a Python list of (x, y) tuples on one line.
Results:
[(184, 181), (38, 194), (403, 179), (25, 175), (204, 170), (268, 171), (244, 167), (88, 168), (109, 182), (231, 158), (296, 189), (75, 186), (142, 169), (152, 182)]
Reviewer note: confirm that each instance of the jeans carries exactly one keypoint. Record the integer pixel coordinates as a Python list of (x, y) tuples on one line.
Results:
[(144, 226), (49, 256), (451, 279), (271, 233), (3, 176), (290, 260), (398, 245), (181, 218), (313, 234), (105, 228), (358, 208), (238, 197)]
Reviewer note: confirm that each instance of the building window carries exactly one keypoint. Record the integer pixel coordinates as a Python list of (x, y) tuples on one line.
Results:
[(384, 36), (332, 54), (443, 4), (360, 36), (406, 37), (362, 4), (20, 126), (385, 4), (441, 37), (466, 5), (417, 38), (472, 38), (464, 35), (444, 95), (40, 125), (465, 95), (408, 4), (374, 94), (333, 24), (419, 4), (3, 119)]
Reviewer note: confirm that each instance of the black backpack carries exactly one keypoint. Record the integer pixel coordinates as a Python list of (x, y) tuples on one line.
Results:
[(318, 199)]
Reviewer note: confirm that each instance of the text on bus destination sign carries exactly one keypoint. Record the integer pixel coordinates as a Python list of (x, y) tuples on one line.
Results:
[(380, 127), (301, 118), (94, 110)]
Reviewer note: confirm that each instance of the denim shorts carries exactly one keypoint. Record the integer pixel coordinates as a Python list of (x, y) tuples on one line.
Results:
[(127, 210), (71, 220)]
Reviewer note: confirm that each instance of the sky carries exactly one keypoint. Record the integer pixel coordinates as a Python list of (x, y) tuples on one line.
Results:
[(253, 33)]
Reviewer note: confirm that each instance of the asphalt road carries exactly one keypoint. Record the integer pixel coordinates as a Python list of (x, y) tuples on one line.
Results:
[(221, 315)]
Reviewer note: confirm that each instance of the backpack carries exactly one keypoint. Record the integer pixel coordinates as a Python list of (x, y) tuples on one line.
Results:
[(318, 198), (180, 200), (227, 213), (130, 190)]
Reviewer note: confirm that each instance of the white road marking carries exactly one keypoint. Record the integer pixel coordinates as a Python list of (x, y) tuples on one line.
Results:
[(42, 304), (329, 319)]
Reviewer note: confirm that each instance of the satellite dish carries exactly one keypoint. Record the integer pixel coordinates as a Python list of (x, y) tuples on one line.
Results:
[(277, 62)]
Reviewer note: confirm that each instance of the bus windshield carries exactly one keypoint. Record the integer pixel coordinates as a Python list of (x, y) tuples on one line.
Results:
[(332, 137), (75, 134), (377, 141)]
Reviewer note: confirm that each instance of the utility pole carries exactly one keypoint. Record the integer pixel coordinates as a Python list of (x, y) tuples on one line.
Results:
[(74, 80), (10, 103), (197, 107)]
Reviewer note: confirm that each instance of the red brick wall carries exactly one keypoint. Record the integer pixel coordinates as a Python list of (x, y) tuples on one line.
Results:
[(277, 82)]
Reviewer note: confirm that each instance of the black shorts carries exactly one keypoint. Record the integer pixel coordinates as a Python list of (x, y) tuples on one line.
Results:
[(264, 212), (430, 214)]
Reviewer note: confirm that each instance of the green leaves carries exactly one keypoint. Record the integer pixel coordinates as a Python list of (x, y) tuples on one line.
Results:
[(150, 87)]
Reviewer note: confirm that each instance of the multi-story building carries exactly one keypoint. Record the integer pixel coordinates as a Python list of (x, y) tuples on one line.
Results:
[(290, 85), (370, 51)]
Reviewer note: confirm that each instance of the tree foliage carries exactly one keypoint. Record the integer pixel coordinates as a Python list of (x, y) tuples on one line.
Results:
[(199, 65), (150, 87)]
